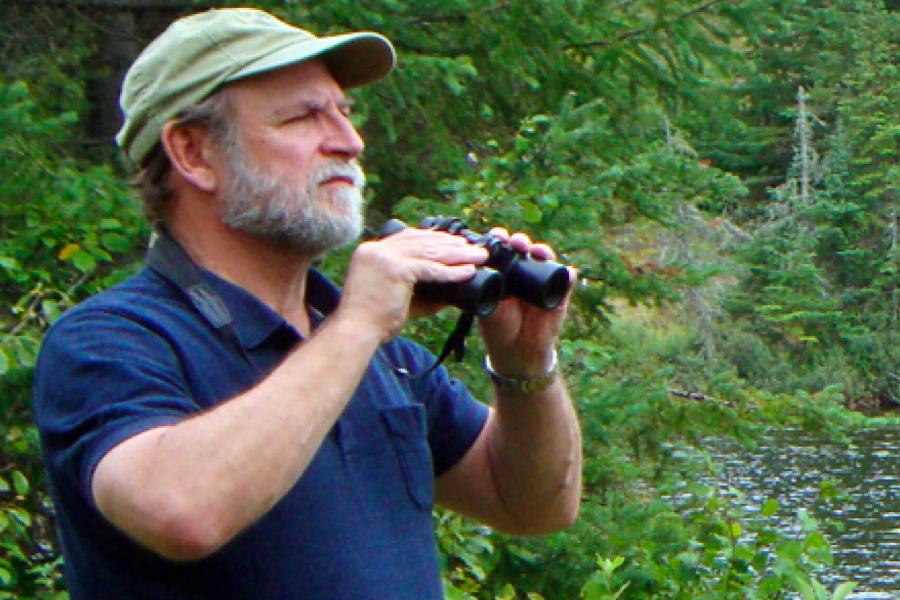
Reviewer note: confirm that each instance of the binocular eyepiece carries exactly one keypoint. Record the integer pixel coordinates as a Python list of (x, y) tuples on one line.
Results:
[(507, 272)]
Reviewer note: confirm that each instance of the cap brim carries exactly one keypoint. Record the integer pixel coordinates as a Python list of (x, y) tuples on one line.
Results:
[(353, 59)]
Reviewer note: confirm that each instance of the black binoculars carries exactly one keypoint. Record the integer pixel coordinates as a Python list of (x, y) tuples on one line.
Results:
[(507, 272)]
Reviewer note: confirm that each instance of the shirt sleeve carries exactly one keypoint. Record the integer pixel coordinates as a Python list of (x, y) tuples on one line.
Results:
[(455, 417), (102, 378)]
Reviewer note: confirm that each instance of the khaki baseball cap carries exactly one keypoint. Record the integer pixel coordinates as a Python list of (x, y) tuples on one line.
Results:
[(199, 53)]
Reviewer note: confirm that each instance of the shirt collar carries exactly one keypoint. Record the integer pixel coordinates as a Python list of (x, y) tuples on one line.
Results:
[(253, 320)]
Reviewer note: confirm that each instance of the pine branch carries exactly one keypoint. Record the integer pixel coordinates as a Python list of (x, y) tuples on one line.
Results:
[(457, 18), (638, 32), (127, 4)]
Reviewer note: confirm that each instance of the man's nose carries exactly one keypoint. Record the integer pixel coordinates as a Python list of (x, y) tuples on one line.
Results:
[(343, 139)]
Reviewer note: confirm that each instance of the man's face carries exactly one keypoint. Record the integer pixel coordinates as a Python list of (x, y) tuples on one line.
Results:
[(292, 176)]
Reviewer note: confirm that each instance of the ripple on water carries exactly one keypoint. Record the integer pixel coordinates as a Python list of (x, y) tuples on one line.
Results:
[(790, 466)]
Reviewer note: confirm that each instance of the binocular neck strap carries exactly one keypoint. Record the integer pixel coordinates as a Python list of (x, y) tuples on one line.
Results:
[(456, 341), (168, 258)]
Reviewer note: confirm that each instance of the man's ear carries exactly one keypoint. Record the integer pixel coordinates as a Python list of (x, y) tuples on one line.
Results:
[(188, 149)]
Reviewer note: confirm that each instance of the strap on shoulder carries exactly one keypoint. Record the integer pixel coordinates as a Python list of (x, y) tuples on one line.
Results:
[(169, 259)]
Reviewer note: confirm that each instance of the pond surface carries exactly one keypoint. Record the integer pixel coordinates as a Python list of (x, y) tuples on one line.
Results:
[(789, 466)]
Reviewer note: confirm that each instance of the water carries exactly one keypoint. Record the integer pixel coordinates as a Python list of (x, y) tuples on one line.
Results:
[(789, 466)]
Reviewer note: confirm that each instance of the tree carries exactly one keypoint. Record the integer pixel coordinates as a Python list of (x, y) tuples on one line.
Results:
[(602, 127), (823, 265)]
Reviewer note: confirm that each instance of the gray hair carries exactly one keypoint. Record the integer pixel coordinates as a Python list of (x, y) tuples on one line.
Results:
[(152, 179)]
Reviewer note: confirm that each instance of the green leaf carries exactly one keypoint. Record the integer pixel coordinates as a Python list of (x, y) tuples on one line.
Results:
[(807, 521), (789, 550), (830, 489), (50, 308), (530, 211), (20, 483), (115, 242), (770, 507), (108, 224), (549, 201), (843, 590), (83, 261), (9, 263), (533, 83), (806, 590), (25, 354), (19, 515), (451, 592)]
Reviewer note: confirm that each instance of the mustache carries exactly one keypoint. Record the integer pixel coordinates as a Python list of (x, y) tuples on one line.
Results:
[(348, 170)]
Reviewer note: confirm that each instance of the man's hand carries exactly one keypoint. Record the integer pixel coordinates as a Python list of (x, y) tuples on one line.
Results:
[(523, 473), (520, 337), (379, 285)]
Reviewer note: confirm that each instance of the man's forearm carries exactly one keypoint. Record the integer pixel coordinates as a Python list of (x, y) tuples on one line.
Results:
[(534, 446), (185, 490)]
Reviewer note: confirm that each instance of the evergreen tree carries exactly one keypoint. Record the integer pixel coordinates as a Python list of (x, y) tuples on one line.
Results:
[(625, 133)]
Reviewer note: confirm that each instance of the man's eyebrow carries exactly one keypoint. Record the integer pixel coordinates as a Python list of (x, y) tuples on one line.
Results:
[(306, 104)]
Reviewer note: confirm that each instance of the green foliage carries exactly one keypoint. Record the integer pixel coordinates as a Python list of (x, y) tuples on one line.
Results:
[(505, 63), (600, 586), (653, 145), (467, 552), (821, 284), (30, 562), (557, 179), (668, 536), (66, 230)]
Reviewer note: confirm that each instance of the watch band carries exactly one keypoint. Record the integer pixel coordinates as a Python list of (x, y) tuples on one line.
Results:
[(512, 385)]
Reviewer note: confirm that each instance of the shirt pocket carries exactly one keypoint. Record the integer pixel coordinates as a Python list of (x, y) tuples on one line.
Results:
[(406, 426)]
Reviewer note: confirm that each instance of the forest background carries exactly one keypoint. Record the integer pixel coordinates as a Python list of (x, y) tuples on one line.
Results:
[(723, 173)]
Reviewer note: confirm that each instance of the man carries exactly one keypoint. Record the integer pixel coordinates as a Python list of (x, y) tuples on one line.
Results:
[(225, 424)]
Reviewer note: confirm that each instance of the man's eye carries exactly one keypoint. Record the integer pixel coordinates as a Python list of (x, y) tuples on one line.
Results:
[(302, 116)]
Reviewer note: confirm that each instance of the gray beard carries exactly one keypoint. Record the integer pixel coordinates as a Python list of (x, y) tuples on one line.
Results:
[(308, 221)]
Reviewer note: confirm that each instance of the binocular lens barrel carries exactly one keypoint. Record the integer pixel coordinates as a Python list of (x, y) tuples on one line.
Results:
[(542, 283), (479, 295)]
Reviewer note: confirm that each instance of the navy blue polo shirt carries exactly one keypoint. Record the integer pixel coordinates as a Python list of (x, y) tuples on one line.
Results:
[(357, 525)]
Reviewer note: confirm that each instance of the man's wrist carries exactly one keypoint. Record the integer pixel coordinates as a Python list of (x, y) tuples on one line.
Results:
[(522, 386)]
